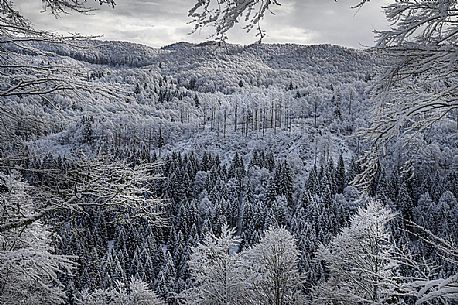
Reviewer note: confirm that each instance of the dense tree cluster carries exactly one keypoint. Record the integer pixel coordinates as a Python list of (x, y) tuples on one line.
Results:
[(256, 150), (251, 195), (283, 156)]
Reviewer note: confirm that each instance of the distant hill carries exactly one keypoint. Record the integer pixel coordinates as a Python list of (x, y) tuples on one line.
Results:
[(253, 136), (190, 93)]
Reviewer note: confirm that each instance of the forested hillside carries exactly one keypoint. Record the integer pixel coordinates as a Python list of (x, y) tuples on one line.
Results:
[(201, 167)]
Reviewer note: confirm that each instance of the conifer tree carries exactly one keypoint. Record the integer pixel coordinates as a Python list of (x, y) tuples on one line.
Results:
[(341, 181)]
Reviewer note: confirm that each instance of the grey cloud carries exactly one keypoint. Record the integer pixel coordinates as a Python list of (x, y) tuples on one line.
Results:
[(333, 22), (161, 22)]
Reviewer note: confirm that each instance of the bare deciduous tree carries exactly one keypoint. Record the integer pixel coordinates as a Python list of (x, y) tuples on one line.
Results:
[(419, 86), (17, 32)]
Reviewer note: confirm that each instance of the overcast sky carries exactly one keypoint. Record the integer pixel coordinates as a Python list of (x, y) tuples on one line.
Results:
[(160, 22)]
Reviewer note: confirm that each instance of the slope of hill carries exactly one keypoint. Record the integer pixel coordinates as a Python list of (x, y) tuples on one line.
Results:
[(203, 92), (253, 137)]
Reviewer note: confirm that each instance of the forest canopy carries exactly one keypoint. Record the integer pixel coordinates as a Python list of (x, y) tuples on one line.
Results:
[(223, 174)]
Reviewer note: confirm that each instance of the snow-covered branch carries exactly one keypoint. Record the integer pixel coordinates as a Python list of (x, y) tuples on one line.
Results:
[(16, 32), (418, 86), (224, 14), (94, 183)]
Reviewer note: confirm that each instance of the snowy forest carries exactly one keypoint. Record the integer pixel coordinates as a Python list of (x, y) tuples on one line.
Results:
[(215, 173)]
